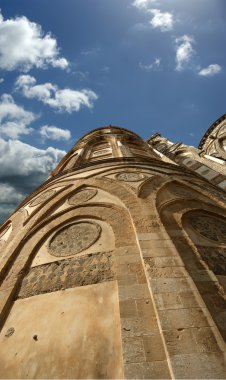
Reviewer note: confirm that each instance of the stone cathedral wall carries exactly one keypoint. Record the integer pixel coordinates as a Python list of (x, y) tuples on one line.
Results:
[(115, 270)]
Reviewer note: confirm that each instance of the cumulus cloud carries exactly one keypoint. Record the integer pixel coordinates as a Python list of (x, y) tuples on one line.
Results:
[(22, 168), (65, 100), (20, 159), (184, 51), (14, 119), (24, 45), (210, 70), (152, 66), (162, 20), (53, 133), (1, 80)]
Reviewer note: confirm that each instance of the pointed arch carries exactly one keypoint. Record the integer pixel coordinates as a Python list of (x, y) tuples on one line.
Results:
[(151, 185), (118, 219), (173, 212)]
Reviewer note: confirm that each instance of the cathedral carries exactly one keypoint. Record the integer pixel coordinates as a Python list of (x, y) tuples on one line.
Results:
[(115, 267)]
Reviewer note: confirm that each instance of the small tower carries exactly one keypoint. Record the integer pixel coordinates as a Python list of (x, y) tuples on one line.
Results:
[(115, 268)]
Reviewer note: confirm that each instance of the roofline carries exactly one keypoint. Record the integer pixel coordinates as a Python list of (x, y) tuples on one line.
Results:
[(104, 127), (211, 128)]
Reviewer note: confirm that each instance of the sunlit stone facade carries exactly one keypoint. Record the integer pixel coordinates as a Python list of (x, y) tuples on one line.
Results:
[(115, 267)]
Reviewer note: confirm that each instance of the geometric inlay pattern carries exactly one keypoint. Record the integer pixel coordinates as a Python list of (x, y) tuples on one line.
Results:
[(74, 238), (210, 227), (130, 176), (68, 273), (43, 197), (82, 196)]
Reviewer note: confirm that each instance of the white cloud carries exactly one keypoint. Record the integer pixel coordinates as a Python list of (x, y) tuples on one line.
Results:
[(184, 51), (24, 45), (143, 4), (62, 63), (1, 80), (162, 20), (53, 133), (152, 66), (22, 168), (14, 119), (211, 70), (17, 158), (65, 100)]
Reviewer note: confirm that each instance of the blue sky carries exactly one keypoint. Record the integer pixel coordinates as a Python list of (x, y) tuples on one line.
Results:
[(68, 66)]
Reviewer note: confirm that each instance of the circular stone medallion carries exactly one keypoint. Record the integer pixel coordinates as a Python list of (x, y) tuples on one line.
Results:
[(82, 196), (130, 176), (210, 227), (74, 238), (43, 197)]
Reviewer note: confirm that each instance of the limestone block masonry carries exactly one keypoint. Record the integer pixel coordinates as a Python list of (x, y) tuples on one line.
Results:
[(115, 268)]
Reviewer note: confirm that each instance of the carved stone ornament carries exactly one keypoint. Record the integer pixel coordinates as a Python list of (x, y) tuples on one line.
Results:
[(130, 176), (82, 196), (41, 198), (210, 227), (74, 238)]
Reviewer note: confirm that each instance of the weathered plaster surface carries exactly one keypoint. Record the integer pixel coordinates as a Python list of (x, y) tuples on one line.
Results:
[(67, 334)]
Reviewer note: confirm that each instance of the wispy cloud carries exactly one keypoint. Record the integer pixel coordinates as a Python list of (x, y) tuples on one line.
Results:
[(24, 45), (81, 75), (91, 52), (62, 100), (14, 119), (152, 66), (143, 4), (51, 132), (1, 80), (210, 70), (184, 51)]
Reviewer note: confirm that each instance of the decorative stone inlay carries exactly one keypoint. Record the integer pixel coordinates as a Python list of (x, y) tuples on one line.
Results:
[(74, 238), (41, 198), (130, 176), (82, 196), (89, 269), (210, 227)]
